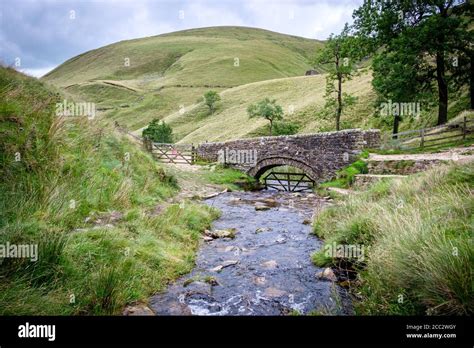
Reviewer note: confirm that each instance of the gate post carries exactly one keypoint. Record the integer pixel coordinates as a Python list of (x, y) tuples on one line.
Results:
[(464, 128), (147, 144)]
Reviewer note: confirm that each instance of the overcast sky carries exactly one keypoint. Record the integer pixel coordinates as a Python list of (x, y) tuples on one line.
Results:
[(41, 34)]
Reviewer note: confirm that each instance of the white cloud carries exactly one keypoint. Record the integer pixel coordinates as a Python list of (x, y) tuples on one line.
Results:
[(314, 20), (39, 72)]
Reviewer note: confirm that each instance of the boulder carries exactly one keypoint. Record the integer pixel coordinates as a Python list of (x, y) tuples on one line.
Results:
[(272, 264), (137, 309), (227, 233), (274, 292), (327, 274), (224, 265), (261, 207)]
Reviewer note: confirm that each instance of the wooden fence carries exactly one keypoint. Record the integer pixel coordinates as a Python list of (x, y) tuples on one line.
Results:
[(428, 137), (124, 130), (172, 153)]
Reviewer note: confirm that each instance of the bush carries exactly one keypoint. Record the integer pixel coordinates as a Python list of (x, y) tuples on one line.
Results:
[(345, 176), (285, 128), (158, 132)]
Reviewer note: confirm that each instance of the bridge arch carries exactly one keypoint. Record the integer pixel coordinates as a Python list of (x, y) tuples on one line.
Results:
[(270, 162)]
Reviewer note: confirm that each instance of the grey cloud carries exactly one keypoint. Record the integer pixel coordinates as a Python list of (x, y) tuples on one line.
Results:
[(43, 34)]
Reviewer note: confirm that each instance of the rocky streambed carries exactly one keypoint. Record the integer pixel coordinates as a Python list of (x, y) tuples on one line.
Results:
[(255, 261)]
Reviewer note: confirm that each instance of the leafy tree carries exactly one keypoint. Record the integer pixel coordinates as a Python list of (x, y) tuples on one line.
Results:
[(158, 131), (463, 61), (210, 99), (267, 109), (397, 78), (340, 54), (434, 31)]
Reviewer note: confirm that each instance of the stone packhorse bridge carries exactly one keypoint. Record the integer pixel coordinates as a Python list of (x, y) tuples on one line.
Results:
[(319, 155)]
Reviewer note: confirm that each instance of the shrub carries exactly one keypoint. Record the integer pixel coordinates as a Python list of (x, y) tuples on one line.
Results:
[(285, 128), (158, 131)]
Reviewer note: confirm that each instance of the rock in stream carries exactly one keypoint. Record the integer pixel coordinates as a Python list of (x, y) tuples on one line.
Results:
[(265, 269)]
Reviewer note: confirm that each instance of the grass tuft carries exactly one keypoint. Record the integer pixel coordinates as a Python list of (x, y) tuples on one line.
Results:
[(418, 242)]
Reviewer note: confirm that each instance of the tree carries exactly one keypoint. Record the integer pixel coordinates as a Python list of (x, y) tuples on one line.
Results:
[(210, 99), (463, 62), (434, 30), (158, 132), (267, 109), (340, 55), (397, 77)]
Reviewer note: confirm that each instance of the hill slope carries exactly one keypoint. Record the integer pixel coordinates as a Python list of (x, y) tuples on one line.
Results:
[(170, 71), (86, 198), (195, 57), (301, 98)]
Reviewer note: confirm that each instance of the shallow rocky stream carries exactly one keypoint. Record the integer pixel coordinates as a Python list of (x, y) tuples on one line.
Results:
[(264, 270)]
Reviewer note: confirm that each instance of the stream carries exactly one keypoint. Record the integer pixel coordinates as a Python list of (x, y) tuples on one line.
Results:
[(265, 269)]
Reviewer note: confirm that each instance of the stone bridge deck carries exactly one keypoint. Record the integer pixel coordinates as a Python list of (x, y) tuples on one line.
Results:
[(319, 155)]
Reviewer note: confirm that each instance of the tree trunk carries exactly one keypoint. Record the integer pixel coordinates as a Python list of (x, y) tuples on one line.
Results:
[(271, 127), (339, 102), (442, 89), (396, 122), (471, 82)]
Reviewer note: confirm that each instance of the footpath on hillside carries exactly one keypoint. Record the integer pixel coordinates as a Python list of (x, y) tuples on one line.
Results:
[(457, 154)]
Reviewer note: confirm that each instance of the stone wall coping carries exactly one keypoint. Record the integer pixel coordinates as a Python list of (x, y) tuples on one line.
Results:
[(295, 136)]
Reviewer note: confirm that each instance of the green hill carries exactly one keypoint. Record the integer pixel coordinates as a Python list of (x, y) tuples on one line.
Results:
[(168, 72), (196, 57)]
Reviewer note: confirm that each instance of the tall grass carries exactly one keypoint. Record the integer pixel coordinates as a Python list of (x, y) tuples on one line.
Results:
[(418, 238), (71, 174)]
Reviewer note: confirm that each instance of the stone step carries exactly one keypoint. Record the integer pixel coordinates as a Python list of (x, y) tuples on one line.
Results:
[(341, 191), (395, 166), (365, 180)]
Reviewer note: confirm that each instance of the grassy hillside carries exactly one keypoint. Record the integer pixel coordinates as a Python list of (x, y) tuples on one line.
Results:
[(93, 203), (169, 73), (171, 70), (304, 95), (417, 240)]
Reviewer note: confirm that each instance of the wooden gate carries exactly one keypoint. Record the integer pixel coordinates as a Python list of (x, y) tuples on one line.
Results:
[(292, 182), (173, 153)]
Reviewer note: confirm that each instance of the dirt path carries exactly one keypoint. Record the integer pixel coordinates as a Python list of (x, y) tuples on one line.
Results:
[(190, 177), (192, 183), (458, 154)]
